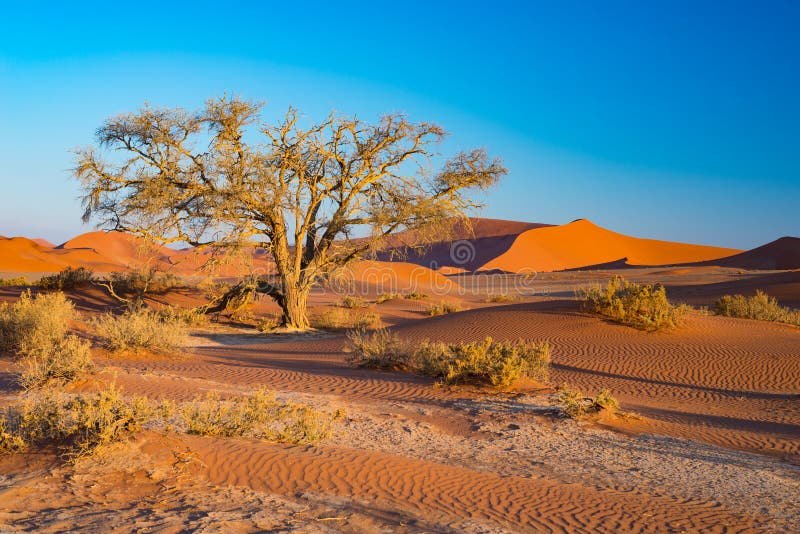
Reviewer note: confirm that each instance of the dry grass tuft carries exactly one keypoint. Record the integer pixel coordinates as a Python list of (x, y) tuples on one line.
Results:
[(576, 405), (259, 416), (761, 307), (352, 302), (501, 297), (18, 281), (59, 362), (76, 424), (643, 306), (33, 322), (496, 364), (443, 308), (378, 349), (416, 296), (385, 297), (140, 329), (344, 319)]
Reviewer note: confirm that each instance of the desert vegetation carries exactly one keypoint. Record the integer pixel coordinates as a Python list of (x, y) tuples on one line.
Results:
[(386, 297), (259, 416), (643, 306), (352, 302), (577, 405), (35, 330), (14, 281), (760, 307), (485, 363), (69, 278), (345, 319), (415, 296), (443, 308), (140, 328), (501, 298)]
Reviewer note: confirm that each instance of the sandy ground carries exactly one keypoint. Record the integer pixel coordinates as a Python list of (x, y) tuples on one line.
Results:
[(715, 445)]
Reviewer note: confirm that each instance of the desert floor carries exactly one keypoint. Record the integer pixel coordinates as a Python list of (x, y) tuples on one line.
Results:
[(714, 444)]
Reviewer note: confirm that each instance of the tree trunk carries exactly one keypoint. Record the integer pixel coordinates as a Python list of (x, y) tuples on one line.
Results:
[(294, 308)]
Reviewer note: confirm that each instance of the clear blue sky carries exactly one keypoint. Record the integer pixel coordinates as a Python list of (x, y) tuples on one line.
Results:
[(672, 120)]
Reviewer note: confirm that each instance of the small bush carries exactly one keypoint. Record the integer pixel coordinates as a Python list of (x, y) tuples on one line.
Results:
[(18, 281), (185, 316), (638, 305), (443, 308), (62, 361), (69, 278), (141, 282), (385, 297), (352, 302), (498, 364), (416, 296), (140, 329), (761, 307), (259, 416), (268, 323), (34, 322), (76, 424), (576, 405), (342, 319), (502, 297), (379, 349)]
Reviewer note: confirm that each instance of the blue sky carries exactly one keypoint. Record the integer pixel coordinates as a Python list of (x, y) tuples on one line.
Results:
[(673, 120)]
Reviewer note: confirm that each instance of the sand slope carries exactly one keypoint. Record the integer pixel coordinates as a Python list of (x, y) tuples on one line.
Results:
[(582, 243), (781, 254)]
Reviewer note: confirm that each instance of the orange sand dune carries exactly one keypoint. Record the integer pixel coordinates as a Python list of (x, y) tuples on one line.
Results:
[(465, 249), (395, 277), (582, 243), (781, 254), (19, 254)]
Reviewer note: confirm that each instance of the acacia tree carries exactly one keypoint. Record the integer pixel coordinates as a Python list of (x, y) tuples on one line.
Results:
[(221, 178)]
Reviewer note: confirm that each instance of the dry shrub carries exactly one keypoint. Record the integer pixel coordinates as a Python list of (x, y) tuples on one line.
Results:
[(378, 349), (576, 405), (416, 296), (18, 281), (502, 297), (76, 424), (143, 281), (268, 323), (186, 316), (643, 306), (69, 278), (343, 319), (352, 302), (443, 308), (486, 363), (34, 322), (259, 416), (761, 307), (497, 364), (140, 329), (61, 361), (385, 297)]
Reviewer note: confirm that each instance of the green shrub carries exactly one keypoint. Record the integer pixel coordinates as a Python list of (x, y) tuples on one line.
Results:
[(385, 297), (34, 323), (62, 361), (77, 424), (378, 349), (416, 296), (576, 405), (352, 302), (761, 307), (342, 319), (140, 329), (443, 308), (69, 278), (638, 305), (18, 281), (259, 416), (498, 364)]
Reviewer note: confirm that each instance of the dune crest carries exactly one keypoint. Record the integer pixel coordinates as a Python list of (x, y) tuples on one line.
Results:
[(582, 243)]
